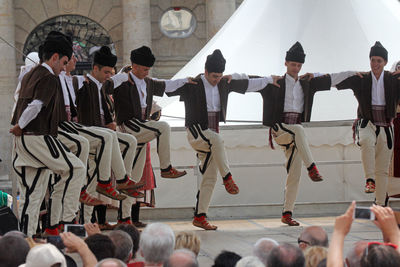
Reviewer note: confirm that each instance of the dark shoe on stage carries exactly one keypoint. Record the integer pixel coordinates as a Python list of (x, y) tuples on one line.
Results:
[(129, 184), (106, 226), (370, 186), (230, 185), (287, 219), (202, 222), (314, 175), (172, 173), (89, 200), (139, 224), (109, 191)]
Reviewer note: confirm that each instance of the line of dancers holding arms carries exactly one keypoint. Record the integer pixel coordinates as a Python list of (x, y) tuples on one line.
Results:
[(85, 139)]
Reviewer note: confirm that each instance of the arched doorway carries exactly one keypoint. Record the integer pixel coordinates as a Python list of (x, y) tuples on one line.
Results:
[(87, 36)]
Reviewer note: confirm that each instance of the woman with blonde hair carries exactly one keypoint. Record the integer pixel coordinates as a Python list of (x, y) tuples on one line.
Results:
[(314, 255), (189, 240)]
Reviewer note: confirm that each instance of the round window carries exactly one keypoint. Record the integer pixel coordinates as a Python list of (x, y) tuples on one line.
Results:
[(177, 23)]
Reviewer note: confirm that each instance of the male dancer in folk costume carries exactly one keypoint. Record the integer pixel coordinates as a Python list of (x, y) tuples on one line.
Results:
[(284, 109), (133, 97), (96, 109), (79, 146), (205, 106), (39, 110), (377, 93)]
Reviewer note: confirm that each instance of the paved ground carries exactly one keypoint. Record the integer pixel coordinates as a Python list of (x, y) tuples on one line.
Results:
[(240, 235)]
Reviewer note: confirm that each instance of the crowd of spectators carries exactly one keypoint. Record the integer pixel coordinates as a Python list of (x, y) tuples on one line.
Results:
[(157, 245)]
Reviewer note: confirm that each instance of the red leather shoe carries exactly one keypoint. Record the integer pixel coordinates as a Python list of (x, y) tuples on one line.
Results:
[(172, 173), (314, 174), (129, 184), (230, 185), (370, 186), (124, 222), (287, 219), (202, 222), (89, 200), (109, 191), (50, 232), (133, 193)]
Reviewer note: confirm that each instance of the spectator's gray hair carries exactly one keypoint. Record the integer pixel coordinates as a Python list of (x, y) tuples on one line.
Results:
[(192, 263), (117, 261), (250, 261), (262, 248), (157, 243), (286, 255), (123, 244)]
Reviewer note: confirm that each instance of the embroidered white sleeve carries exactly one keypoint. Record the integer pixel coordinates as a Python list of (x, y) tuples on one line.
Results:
[(339, 77), (119, 78), (256, 84), (31, 111)]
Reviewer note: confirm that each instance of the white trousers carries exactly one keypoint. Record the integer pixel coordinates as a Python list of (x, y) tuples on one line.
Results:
[(79, 146), (376, 144), (292, 139), (32, 154), (211, 152)]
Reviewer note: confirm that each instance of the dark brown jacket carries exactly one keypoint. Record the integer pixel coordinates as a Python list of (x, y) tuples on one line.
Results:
[(362, 88), (127, 100), (42, 85), (274, 98), (194, 96), (88, 106)]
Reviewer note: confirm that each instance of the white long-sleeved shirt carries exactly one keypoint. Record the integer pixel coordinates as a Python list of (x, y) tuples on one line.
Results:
[(66, 84), (212, 93), (33, 108), (294, 95), (170, 85), (378, 90)]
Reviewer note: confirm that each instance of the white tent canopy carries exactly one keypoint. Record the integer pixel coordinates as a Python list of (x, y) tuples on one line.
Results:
[(336, 36)]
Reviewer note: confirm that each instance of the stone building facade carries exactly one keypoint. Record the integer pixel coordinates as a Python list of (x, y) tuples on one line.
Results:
[(127, 23)]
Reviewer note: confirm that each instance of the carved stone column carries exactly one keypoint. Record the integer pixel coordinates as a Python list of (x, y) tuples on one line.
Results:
[(7, 83), (136, 26)]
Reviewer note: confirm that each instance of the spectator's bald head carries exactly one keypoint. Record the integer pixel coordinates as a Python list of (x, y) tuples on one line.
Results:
[(313, 236), (353, 257)]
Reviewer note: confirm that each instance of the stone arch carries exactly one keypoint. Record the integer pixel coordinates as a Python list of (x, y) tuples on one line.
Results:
[(30, 13), (86, 34)]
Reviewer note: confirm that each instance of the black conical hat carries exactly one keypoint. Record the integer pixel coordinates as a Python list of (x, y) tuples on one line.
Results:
[(105, 57), (296, 53), (215, 62), (378, 50)]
